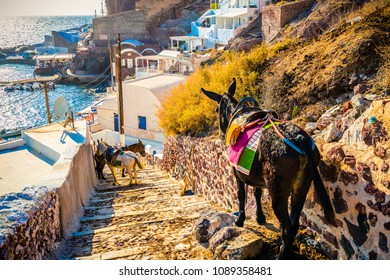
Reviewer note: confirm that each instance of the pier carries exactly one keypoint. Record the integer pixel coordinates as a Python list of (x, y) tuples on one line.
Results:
[(40, 79)]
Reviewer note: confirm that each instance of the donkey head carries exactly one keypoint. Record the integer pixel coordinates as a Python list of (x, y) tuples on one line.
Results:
[(141, 148), (226, 105)]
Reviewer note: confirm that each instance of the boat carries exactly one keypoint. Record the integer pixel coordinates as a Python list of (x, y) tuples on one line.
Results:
[(37, 86), (28, 87), (9, 88), (49, 65), (18, 87), (8, 133)]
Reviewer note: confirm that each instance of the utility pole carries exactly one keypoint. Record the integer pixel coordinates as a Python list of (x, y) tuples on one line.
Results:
[(119, 86), (47, 102)]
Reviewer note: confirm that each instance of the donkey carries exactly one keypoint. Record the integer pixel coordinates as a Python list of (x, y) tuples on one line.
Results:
[(101, 162), (118, 159), (280, 168), (135, 148)]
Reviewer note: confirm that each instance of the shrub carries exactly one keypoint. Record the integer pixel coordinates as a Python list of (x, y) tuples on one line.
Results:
[(187, 111)]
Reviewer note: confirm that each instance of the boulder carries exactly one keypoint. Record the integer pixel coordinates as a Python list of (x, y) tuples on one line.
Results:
[(234, 243), (310, 127), (324, 121), (209, 223), (332, 133), (359, 89)]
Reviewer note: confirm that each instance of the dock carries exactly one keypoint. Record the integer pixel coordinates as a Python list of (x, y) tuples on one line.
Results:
[(40, 79)]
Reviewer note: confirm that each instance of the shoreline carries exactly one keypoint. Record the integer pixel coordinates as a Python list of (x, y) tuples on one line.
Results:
[(18, 61)]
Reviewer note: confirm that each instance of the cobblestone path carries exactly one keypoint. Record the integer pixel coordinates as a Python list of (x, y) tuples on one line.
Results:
[(149, 220)]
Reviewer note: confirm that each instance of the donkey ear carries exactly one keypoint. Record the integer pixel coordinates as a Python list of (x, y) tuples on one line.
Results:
[(232, 88), (212, 95)]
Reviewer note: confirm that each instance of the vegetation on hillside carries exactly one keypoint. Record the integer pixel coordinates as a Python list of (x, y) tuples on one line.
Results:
[(300, 78)]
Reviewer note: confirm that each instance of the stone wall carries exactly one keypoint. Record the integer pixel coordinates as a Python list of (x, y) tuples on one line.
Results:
[(119, 6), (208, 168), (155, 7), (35, 221), (33, 231), (274, 18), (355, 171), (132, 24)]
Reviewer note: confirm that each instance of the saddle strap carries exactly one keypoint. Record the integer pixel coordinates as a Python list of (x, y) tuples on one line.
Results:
[(288, 142)]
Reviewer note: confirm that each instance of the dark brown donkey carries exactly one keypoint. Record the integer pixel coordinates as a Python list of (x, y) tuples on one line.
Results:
[(284, 169)]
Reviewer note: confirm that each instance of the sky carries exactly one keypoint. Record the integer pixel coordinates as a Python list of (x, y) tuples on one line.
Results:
[(49, 7)]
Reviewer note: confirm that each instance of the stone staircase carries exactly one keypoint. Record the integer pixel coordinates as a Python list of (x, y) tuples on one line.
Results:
[(148, 221)]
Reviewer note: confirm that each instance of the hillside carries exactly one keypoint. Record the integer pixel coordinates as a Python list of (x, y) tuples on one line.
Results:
[(298, 76), (315, 75)]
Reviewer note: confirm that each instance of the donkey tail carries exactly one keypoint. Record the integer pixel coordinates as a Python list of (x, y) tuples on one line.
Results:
[(319, 187)]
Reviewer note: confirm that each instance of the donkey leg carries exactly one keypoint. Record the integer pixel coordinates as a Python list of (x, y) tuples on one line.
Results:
[(279, 190), (241, 203), (113, 171), (279, 205), (135, 174), (260, 217), (298, 198), (128, 169)]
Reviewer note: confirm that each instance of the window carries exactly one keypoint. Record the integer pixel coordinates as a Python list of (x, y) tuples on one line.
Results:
[(142, 122), (130, 63)]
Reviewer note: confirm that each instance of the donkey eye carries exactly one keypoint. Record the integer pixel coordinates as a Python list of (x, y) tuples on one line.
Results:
[(217, 109)]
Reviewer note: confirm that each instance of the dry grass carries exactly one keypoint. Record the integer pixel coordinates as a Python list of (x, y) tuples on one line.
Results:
[(289, 74)]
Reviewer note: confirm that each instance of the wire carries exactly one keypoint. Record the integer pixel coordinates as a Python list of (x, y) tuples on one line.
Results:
[(98, 77)]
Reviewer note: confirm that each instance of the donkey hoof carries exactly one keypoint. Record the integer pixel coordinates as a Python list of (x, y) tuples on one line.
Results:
[(239, 223), (260, 220)]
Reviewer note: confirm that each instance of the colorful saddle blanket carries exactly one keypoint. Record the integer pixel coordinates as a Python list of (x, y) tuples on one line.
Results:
[(242, 153)]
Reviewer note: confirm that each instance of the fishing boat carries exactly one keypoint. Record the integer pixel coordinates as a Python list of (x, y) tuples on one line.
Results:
[(8, 133), (9, 88), (49, 65)]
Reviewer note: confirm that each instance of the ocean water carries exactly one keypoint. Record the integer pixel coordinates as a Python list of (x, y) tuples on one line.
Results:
[(21, 108), (28, 30)]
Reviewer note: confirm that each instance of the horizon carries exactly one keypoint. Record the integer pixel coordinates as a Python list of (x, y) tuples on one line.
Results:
[(50, 8)]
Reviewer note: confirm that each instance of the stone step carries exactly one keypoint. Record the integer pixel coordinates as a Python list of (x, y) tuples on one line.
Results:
[(136, 213)]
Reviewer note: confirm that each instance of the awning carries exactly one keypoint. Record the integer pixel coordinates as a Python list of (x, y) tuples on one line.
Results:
[(186, 38), (133, 42), (67, 56), (232, 14)]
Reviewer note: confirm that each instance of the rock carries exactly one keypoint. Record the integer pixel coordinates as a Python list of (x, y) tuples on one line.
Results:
[(358, 105), (334, 111), (234, 243), (331, 133), (359, 89), (350, 161), (336, 154), (353, 78), (209, 223), (328, 172), (311, 127), (370, 97), (324, 121)]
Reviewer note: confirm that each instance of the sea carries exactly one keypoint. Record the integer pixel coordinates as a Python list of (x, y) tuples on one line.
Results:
[(24, 109)]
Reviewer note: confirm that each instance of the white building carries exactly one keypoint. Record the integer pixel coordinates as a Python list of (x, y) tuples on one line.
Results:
[(167, 61), (141, 100), (226, 19)]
